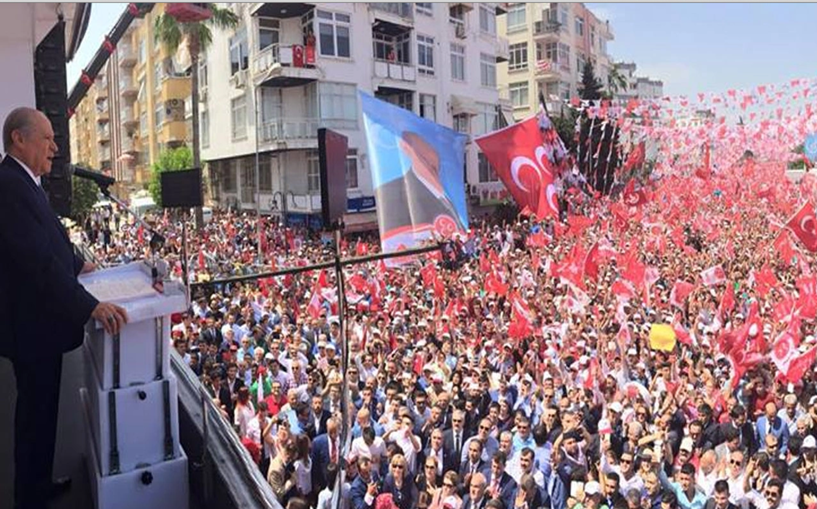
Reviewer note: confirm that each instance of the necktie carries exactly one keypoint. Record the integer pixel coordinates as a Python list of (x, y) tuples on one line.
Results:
[(493, 488), (333, 454), (457, 442)]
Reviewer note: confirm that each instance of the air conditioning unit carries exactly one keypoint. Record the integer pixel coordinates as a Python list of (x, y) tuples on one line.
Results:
[(239, 79), (460, 31)]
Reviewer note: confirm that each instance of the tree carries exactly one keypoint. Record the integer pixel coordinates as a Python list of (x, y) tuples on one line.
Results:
[(617, 82), (590, 88), (198, 37), (565, 125), (84, 194), (174, 159)]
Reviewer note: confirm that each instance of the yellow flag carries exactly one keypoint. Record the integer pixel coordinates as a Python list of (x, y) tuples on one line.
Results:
[(662, 337)]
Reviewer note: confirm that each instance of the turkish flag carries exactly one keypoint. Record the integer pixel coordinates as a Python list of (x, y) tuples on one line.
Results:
[(494, 284), (765, 280), (680, 291), (631, 197), (538, 239), (591, 266), (784, 350), (713, 275), (727, 301), (428, 273), (807, 288), (800, 364), (623, 289), (572, 267), (784, 248), (804, 226), (521, 162), (635, 158)]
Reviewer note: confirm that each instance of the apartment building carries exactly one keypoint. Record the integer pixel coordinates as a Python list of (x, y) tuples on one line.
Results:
[(289, 69), (135, 109), (548, 46), (637, 87)]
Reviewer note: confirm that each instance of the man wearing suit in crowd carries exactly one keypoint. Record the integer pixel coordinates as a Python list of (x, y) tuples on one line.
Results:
[(446, 460), (454, 438), (365, 487), (326, 449), (46, 306), (500, 483), (318, 417), (476, 498), (472, 465)]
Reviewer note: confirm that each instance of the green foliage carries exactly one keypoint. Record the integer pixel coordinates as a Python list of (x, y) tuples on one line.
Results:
[(590, 88), (171, 33), (169, 160), (84, 194), (565, 125)]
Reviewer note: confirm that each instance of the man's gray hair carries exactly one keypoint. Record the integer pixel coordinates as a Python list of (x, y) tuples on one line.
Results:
[(19, 119)]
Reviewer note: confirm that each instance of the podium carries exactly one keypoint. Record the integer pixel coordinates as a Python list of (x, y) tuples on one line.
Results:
[(130, 398)]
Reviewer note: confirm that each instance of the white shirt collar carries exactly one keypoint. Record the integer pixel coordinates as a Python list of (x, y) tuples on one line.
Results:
[(27, 169)]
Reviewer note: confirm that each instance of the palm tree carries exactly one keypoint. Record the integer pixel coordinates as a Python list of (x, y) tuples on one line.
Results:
[(197, 36), (616, 80)]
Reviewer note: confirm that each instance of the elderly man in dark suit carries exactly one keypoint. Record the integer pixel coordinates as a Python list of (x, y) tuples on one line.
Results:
[(46, 306)]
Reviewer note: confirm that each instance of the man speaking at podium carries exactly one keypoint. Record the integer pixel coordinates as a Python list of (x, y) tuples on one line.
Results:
[(45, 304)]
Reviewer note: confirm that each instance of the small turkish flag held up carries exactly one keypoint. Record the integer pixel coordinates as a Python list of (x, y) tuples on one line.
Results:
[(804, 226), (800, 364), (713, 276), (680, 291)]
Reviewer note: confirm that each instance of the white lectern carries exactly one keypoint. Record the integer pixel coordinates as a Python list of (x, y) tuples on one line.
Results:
[(130, 398)]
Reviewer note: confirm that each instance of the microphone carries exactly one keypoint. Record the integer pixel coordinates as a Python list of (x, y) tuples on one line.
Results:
[(103, 181)]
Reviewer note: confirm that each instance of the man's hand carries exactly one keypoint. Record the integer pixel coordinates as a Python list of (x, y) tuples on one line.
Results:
[(111, 316), (87, 267)]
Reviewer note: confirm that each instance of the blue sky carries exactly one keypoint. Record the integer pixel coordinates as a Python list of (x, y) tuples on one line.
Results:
[(713, 47), (691, 47)]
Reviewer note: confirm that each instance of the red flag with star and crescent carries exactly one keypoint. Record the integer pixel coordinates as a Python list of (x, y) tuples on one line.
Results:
[(804, 226)]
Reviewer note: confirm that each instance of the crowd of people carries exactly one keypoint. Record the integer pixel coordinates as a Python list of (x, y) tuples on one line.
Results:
[(517, 370)]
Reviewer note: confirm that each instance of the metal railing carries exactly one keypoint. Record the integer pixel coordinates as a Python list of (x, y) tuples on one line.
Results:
[(546, 27), (402, 9), (289, 129), (266, 58)]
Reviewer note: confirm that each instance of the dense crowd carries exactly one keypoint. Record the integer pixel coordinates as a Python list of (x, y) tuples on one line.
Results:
[(517, 369)]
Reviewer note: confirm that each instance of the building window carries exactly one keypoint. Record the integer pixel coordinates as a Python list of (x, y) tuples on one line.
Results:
[(519, 94), (404, 100), (487, 70), (157, 77), (428, 107), (564, 56), (461, 123), (239, 51), (425, 55), (593, 36), (238, 117), (552, 51), (552, 89), (265, 173), (204, 128), (334, 30), (487, 19), (424, 8), (143, 124), (456, 15), (268, 32), (203, 77), (351, 169), (392, 48), (313, 172), (516, 18), (564, 90), (228, 178), (579, 26), (486, 171), (457, 62), (158, 115), (486, 121), (338, 105), (518, 56), (563, 17), (580, 60)]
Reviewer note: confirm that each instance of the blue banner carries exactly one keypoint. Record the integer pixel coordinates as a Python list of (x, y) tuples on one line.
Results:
[(810, 147), (417, 173)]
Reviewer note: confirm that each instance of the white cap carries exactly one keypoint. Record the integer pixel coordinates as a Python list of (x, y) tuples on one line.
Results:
[(809, 443), (616, 407), (592, 488), (632, 351), (687, 444)]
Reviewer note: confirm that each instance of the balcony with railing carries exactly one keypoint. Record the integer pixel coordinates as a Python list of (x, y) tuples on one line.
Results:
[(294, 133), (104, 154), (102, 114), (127, 117), (285, 65), (503, 53), (126, 54), (129, 145), (394, 71), (127, 87), (546, 29), (103, 133), (403, 10)]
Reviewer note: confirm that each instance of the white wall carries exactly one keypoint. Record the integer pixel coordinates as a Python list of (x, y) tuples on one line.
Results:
[(17, 56)]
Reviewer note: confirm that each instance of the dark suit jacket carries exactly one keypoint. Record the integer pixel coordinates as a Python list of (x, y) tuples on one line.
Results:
[(449, 460), (357, 493), (507, 487), (321, 428), (320, 460), (41, 301), (468, 504), (405, 497), (448, 442)]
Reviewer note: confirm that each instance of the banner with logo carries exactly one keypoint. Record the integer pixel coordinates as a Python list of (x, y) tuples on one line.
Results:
[(417, 175)]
